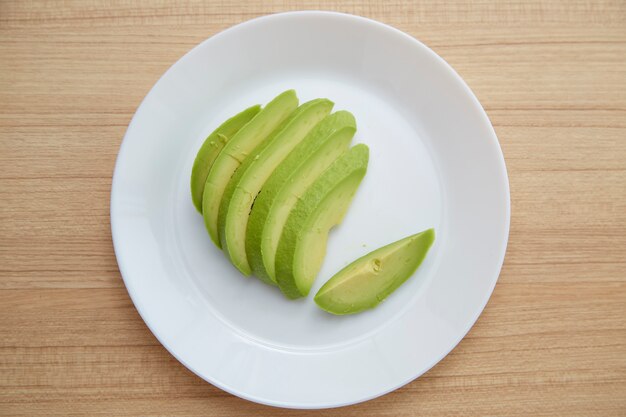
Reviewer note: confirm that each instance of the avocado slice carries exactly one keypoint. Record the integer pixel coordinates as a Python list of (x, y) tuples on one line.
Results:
[(237, 149), (211, 147), (329, 139), (370, 279), (252, 174), (302, 245)]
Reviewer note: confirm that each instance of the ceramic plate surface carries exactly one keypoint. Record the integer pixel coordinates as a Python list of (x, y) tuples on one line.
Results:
[(435, 162)]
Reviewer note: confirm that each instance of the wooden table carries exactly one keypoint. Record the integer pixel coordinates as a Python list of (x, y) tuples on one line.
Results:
[(552, 77)]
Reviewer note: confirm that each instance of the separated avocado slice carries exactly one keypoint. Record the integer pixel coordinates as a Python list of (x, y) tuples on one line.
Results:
[(237, 149), (302, 245), (254, 171), (287, 184), (211, 147), (370, 279)]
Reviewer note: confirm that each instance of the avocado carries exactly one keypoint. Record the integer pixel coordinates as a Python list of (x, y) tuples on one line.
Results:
[(302, 245), (370, 279), (329, 139), (247, 181), (237, 149), (212, 147)]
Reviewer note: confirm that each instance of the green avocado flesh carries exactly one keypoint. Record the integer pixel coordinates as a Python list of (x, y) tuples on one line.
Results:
[(370, 279), (235, 152), (212, 147), (302, 245), (286, 186), (249, 178)]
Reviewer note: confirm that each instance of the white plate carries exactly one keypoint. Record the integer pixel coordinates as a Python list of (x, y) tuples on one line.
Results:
[(435, 162)]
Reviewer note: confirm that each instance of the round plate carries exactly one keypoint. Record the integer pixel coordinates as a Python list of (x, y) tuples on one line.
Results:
[(434, 162)]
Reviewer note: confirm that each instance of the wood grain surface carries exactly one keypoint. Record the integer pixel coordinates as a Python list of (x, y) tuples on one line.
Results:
[(552, 77)]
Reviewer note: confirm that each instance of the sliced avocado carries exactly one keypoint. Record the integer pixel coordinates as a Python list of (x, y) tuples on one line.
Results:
[(370, 279), (302, 245), (237, 149), (329, 139), (211, 147), (252, 174)]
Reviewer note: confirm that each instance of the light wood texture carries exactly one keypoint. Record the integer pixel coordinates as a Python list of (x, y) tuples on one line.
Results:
[(552, 77)]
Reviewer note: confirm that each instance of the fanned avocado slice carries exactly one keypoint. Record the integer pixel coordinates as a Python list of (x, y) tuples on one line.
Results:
[(235, 152), (370, 279), (287, 184), (211, 147), (302, 245), (254, 171)]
